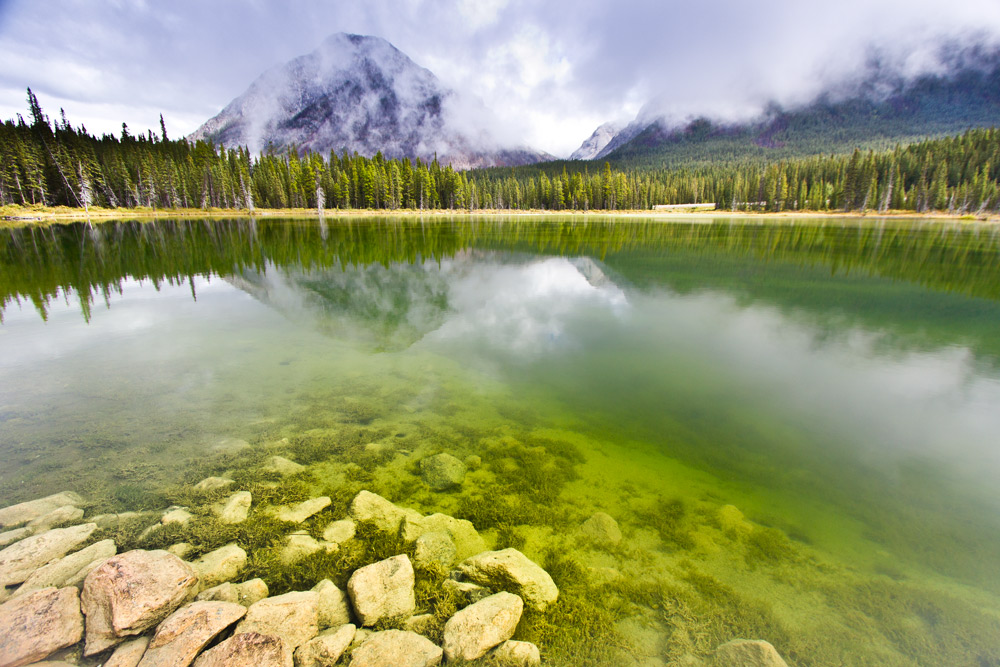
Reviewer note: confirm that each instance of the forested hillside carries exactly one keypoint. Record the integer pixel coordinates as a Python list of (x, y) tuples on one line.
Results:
[(45, 163)]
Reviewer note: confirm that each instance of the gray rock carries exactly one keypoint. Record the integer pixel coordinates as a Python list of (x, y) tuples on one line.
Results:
[(16, 535), (517, 654), (473, 631), (131, 593), (326, 648), (512, 571), (434, 550), (213, 484), (38, 624), (128, 654), (602, 529), (61, 515), (339, 532), (466, 590), (378, 512), (245, 594), (180, 638), (221, 565), (383, 590), (235, 508), (68, 570), (442, 471), (298, 546), (396, 648), (21, 559), (293, 616), (248, 649), (334, 610), (32, 509), (467, 540), (302, 511), (747, 653), (283, 466), (176, 515)]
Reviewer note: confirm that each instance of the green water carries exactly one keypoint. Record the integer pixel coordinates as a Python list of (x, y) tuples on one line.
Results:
[(796, 425)]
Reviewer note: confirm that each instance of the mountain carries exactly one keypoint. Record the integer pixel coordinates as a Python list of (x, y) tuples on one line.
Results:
[(361, 94), (596, 143), (879, 110)]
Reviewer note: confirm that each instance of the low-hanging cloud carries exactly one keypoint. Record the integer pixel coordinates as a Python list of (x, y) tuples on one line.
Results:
[(550, 71)]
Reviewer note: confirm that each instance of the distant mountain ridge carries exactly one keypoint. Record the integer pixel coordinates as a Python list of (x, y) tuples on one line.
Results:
[(881, 109), (358, 93)]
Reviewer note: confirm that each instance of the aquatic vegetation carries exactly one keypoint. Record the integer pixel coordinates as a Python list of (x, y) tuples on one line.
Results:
[(767, 546), (129, 497), (669, 517)]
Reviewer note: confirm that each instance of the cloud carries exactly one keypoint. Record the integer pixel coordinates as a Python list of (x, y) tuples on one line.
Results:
[(550, 71)]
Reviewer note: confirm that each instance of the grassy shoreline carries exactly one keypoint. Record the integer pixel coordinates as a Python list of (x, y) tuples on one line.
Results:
[(17, 216)]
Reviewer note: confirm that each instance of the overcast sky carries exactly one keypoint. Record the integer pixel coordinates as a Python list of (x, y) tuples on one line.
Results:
[(551, 69)]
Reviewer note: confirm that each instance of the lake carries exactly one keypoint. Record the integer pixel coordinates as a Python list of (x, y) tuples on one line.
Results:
[(794, 423)]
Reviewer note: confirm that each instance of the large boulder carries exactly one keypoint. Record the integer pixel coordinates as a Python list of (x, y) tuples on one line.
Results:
[(334, 610), (180, 638), (442, 471), (221, 565), (383, 590), (21, 559), (245, 594), (32, 509), (467, 540), (66, 570), (293, 616), (131, 593), (602, 529), (235, 508), (396, 648), (512, 571), (128, 654), (302, 511), (38, 624), (747, 653), (326, 648), (249, 649), (379, 513), (473, 631)]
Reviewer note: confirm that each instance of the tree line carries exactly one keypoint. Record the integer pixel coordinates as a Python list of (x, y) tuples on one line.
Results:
[(55, 164)]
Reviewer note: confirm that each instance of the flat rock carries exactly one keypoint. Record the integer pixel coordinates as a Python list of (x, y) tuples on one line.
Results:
[(128, 654), (283, 466), (302, 511), (213, 484), (442, 471), (473, 631), (32, 509), (248, 649), (517, 654), (325, 649), (396, 648), (298, 546), (21, 559), (334, 610), (383, 590), (339, 532), (245, 594), (512, 571), (60, 515), (467, 540), (378, 512), (131, 593), (180, 638), (9, 537), (235, 508), (68, 570), (38, 624), (747, 653), (221, 565), (602, 529), (176, 515), (434, 550), (293, 616)]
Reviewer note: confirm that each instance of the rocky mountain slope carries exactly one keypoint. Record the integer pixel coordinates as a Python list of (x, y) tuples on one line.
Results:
[(360, 93)]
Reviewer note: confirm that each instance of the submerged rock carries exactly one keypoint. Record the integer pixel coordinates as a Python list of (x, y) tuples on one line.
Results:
[(302, 511), (383, 590), (32, 509), (247, 649), (333, 606), (9, 537), (434, 549), (131, 593), (422, 624), (298, 546), (339, 532), (747, 653), (293, 616), (466, 590), (38, 624), (21, 559), (442, 471), (283, 466), (68, 569), (180, 638), (396, 648), (602, 529), (61, 515), (379, 513), (467, 540), (517, 654), (213, 484), (220, 565), (512, 571), (473, 631), (128, 654), (326, 648), (235, 508), (176, 515), (245, 594)]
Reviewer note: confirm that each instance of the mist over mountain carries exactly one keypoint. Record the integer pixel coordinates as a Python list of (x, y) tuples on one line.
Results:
[(360, 93)]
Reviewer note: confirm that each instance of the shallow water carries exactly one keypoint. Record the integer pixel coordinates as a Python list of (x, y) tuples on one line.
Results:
[(795, 424)]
